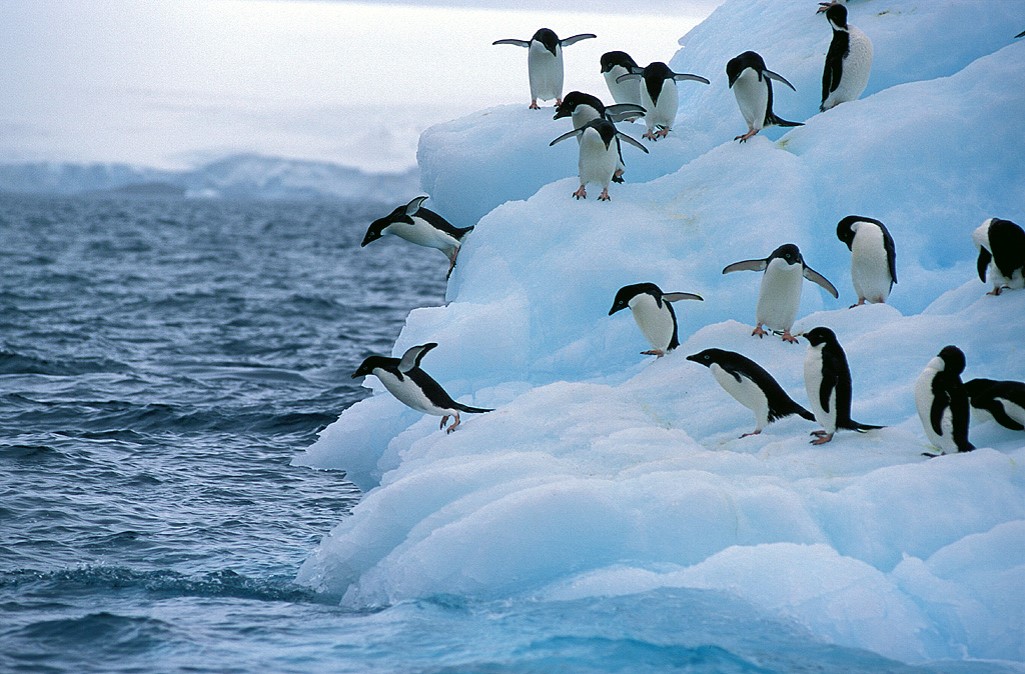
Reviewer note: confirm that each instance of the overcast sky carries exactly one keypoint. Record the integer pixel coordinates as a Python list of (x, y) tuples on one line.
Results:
[(170, 83)]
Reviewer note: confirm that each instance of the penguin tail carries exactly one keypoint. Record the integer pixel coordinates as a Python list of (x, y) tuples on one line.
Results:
[(473, 410), (775, 414), (773, 120), (852, 425)]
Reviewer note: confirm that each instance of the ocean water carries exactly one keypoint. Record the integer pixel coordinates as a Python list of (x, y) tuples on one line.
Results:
[(161, 363)]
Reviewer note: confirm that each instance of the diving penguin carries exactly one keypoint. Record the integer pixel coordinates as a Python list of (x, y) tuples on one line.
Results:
[(599, 154), (412, 386), (780, 293), (873, 257), (1004, 400), (751, 82), (1001, 245), (848, 61), (942, 402), (659, 96), (421, 226), (751, 386), (613, 65), (653, 313), (544, 63), (827, 380)]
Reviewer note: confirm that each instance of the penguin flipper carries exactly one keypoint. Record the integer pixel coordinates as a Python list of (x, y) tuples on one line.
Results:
[(512, 41), (983, 262), (628, 76), (1001, 417), (676, 297), (683, 77), (821, 280), (746, 265), (940, 402), (778, 78), (413, 355), (568, 134), (414, 205), (573, 39), (623, 136), (621, 111)]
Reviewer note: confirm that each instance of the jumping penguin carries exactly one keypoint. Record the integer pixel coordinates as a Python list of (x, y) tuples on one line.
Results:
[(1004, 400), (659, 96), (942, 402), (780, 293), (653, 313), (848, 61), (413, 387), (613, 65), (582, 108), (827, 379), (751, 386), (544, 63), (751, 82), (421, 226), (599, 154), (1001, 245), (873, 257)]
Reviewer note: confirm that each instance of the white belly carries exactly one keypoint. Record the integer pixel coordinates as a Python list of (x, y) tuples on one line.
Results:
[(597, 163), (627, 91), (856, 69), (663, 112), (752, 98), (998, 280), (406, 392), (870, 270), (656, 323), (423, 234), (780, 295), (812, 386), (745, 392), (923, 402), (545, 72)]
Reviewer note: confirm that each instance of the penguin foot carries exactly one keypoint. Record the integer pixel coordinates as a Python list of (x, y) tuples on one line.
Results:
[(658, 353), (604, 196), (743, 138), (580, 193), (818, 433), (754, 432), (663, 132), (533, 105), (822, 439), (759, 330), (861, 300), (455, 423), (995, 291), (617, 177), (787, 337), (649, 135)]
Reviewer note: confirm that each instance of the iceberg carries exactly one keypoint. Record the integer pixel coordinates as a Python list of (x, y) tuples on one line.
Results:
[(605, 473)]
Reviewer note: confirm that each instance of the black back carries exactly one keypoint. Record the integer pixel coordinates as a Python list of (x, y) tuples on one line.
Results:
[(1007, 241), (986, 394), (780, 404)]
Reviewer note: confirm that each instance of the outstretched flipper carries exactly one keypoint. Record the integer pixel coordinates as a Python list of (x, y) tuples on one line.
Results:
[(413, 355), (513, 41), (821, 280), (573, 39), (746, 265)]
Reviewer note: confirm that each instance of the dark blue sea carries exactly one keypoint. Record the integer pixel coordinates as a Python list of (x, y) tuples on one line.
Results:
[(161, 363)]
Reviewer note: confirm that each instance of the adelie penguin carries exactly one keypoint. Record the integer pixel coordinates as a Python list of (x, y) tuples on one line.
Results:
[(599, 154), (413, 387), (942, 402), (873, 257), (1001, 245), (615, 64), (751, 82), (827, 380), (582, 108), (1004, 400), (780, 293), (544, 63), (659, 96), (421, 226), (848, 61), (653, 312), (751, 386)]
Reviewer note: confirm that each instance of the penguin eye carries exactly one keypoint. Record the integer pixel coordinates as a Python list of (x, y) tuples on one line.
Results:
[(708, 357)]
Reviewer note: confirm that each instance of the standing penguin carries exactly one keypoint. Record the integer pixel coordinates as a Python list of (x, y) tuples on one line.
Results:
[(942, 402), (659, 96), (582, 108), (1004, 400), (751, 82), (615, 64), (827, 379), (848, 61), (751, 386), (873, 257), (412, 386), (653, 313), (780, 293), (421, 226), (1001, 245), (544, 63), (599, 154)]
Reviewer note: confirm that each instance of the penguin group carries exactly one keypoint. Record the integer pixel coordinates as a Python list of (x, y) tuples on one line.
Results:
[(942, 400)]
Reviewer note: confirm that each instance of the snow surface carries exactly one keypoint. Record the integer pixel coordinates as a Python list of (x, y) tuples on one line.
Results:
[(603, 472)]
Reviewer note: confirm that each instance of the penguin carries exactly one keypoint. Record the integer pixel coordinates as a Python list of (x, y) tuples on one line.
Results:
[(544, 63), (751, 82), (583, 108), (942, 402), (613, 65), (659, 96), (1004, 400), (780, 294), (599, 154), (827, 379), (421, 226), (873, 257), (653, 313), (751, 386), (848, 61), (413, 387), (1001, 245)]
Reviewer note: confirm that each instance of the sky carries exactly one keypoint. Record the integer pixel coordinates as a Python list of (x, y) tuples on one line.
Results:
[(175, 83)]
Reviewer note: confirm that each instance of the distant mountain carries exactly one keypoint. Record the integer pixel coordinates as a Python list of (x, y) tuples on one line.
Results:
[(234, 177)]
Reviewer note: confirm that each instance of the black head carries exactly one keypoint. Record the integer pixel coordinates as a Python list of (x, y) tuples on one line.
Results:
[(789, 253), (837, 16), (376, 229), (605, 129), (953, 359), (577, 98), (709, 356), (656, 70), (547, 37), (820, 335), (738, 64), (627, 293), (844, 230), (368, 365), (611, 59)]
